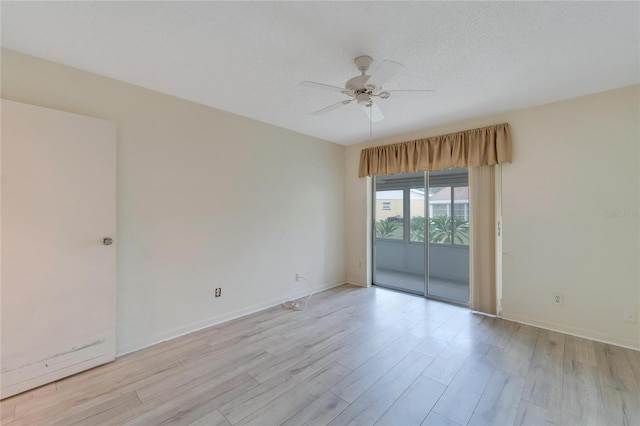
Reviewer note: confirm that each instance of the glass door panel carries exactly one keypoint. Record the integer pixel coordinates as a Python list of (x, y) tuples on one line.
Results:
[(389, 214), (399, 232), (448, 245)]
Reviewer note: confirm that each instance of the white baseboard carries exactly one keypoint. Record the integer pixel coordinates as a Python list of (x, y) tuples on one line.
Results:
[(356, 282), (573, 331), (219, 319)]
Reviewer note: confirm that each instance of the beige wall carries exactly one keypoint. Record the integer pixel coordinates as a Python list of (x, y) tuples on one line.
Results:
[(294, 204), (205, 199), (575, 164)]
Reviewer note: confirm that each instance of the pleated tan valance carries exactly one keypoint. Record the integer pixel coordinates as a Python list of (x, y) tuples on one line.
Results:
[(485, 146)]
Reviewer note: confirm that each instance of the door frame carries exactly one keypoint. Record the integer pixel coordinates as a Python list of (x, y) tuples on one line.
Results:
[(406, 222)]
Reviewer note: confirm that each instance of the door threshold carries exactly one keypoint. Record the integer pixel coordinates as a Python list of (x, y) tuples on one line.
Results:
[(414, 293)]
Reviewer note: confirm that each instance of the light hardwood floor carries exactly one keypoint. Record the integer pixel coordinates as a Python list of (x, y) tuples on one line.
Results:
[(355, 356)]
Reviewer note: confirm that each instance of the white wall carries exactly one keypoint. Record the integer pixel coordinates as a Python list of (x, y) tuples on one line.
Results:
[(575, 163), (205, 199)]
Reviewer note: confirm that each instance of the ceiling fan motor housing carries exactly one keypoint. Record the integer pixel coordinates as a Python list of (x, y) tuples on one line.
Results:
[(356, 84)]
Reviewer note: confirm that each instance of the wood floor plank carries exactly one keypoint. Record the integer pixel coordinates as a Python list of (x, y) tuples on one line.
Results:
[(320, 412), (214, 418), (414, 404), (432, 346), (453, 327), (531, 415), (289, 403), (582, 401), (186, 404), (500, 332), (259, 396), (475, 330), (259, 339), (325, 354), (101, 412), (499, 402), (446, 365), (52, 414), (463, 393), (218, 354), (33, 394), (318, 324), (211, 374), (580, 350), (621, 407), (544, 380), (634, 361), (518, 352), (372, 404), (368, 373), (368, 349), (614, 368), (258, 322), (152, 357), (114, 382), (436, 419), (7, 413)]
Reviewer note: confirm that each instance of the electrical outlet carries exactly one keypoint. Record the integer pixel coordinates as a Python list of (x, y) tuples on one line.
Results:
[(218, 292), (630, 317), (558, 298), (297, 277)]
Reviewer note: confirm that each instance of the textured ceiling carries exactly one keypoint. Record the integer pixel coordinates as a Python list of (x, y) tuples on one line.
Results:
[(248, 57)]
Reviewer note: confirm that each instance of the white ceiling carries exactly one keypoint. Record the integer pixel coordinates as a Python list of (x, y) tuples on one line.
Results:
[(248, 57)]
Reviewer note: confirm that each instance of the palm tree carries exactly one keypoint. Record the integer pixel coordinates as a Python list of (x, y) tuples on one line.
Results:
[(417, 228), (460, 231), (440, 230), (386, 228)]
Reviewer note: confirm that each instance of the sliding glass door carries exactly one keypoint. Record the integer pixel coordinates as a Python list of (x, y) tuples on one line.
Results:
[(421, 235)]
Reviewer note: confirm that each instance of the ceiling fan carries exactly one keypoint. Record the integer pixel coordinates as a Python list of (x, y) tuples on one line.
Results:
[(363, 88)]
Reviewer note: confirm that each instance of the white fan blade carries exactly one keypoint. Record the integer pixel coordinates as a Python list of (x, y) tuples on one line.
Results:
[(383, 73), (373, 112), (413, 94), (321, 86), (331, 107)]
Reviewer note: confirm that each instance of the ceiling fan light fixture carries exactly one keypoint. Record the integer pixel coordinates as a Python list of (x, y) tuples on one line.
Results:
[(363, 99)]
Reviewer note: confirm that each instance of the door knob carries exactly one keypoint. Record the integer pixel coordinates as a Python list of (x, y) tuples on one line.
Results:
[(107, 241)]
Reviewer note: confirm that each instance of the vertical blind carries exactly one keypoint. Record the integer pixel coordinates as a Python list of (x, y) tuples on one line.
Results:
[(482, 239)]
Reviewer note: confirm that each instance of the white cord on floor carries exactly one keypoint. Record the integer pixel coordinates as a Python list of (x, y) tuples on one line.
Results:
[(296, 306)]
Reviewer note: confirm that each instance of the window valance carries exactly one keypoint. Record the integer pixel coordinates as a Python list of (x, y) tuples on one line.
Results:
[(485, 146)]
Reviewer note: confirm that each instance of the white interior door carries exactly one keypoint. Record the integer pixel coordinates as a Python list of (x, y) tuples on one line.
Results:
[(58, 285)]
